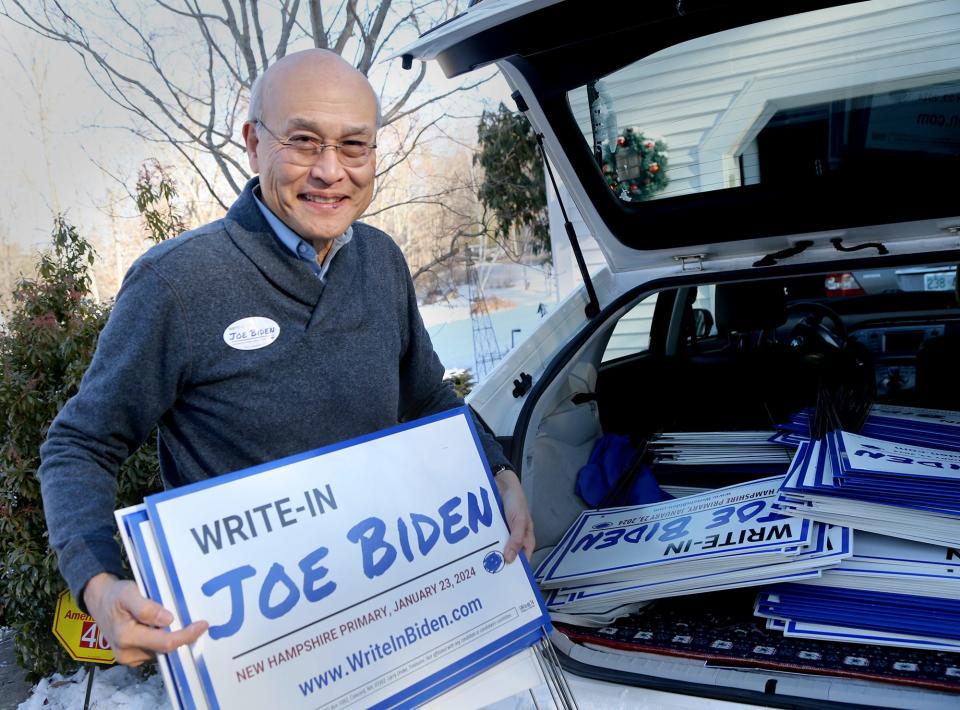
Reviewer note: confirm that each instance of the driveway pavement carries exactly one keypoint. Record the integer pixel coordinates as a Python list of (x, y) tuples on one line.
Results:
[(14, 688)]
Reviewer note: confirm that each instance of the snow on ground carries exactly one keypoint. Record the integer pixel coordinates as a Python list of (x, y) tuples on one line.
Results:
[(122, 688), (114, 688), (451, 330)]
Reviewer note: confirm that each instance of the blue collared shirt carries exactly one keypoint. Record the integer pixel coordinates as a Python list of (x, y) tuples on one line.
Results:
[(299, 247)]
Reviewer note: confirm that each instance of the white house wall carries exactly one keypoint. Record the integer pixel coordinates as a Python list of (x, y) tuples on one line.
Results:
[(708, 100)]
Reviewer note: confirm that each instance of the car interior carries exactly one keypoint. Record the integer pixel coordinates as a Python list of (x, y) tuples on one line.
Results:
[(737, 355), (773, 343), (822, 135)]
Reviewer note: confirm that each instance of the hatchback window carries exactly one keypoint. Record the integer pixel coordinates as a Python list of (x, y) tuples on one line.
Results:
[(726, 111)]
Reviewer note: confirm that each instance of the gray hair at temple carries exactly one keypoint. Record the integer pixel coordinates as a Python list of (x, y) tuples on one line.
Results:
[(256, 102)]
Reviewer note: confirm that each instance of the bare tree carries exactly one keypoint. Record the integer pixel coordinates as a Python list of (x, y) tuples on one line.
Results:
[(440, 220), (184, 68), (15, 263), (35, 70)]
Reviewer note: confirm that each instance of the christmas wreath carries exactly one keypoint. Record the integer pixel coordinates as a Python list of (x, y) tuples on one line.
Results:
[(635, 167)]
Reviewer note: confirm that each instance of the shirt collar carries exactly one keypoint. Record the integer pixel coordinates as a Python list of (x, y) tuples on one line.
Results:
[(297, 245)]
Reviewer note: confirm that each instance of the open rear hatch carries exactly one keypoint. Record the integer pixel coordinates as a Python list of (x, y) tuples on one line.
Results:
[(702, 144)]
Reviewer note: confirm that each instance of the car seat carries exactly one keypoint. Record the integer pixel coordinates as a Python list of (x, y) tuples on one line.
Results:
[(750, 379)]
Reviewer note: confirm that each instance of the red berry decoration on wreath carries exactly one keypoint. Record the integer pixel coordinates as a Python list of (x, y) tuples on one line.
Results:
[(636, 166)]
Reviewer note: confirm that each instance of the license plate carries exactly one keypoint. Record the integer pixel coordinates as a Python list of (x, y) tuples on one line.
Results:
[(942, 281)]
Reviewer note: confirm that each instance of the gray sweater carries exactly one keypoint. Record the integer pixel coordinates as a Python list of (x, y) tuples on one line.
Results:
[(352, 357)]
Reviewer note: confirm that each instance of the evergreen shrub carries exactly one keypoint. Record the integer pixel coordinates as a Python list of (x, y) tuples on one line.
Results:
[(462, 381), (46, 343)]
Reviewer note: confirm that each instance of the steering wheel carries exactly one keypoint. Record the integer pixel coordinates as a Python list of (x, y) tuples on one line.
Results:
[(821, 330)]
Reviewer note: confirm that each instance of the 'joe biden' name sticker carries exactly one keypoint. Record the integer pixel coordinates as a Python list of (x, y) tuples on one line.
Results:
[(251, 333)]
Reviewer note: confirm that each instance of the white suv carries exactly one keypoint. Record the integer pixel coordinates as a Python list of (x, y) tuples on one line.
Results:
[(719, 160)]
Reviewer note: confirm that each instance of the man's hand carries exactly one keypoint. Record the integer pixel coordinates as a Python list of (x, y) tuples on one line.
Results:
[(517, 513), (129, 620)]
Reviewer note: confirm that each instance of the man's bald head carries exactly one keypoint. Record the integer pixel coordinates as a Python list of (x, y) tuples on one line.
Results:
[(289, 67)]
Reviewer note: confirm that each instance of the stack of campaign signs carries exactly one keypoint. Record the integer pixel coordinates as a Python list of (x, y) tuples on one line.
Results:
[(885, 564), (862, 616), (718, 448), (877, 485), (721, 539), (937, 428), (897, 485), (329, 579)]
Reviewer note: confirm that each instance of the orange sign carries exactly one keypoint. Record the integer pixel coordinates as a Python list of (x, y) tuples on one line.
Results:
[(79, 633)]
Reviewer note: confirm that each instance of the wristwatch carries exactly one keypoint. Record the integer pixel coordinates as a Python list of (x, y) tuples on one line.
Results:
[(495, 470)]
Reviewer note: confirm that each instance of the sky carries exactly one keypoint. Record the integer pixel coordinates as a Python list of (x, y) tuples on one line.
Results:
[(35, 183), (91, 157)]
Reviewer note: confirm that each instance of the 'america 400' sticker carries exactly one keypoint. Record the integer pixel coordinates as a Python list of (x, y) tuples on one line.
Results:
[(251, 333)]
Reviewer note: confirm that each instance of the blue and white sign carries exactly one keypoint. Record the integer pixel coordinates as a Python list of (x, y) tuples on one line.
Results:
[(367, 574), (884, 487), (865, 455), (916, 616), (613, 544), (178, 668)]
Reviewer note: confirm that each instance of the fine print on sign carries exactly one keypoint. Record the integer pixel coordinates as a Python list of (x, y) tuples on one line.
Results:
[(79, 633), (362, 574)]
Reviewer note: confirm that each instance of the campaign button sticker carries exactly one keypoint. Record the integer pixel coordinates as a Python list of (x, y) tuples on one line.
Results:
[(251, 333)]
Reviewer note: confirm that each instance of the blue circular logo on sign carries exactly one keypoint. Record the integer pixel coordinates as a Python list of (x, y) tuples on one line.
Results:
[(493, 561), (601, 526)]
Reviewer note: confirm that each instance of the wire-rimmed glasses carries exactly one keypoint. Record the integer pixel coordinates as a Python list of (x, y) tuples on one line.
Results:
[(304, 149)]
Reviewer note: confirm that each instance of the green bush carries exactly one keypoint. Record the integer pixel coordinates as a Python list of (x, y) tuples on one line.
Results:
[(462, 381), (45, 346)]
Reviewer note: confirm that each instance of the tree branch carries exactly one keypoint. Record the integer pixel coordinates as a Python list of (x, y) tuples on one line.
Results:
[(288, 18), (394, 114), (241, 35), (255, 11), (316, 24)]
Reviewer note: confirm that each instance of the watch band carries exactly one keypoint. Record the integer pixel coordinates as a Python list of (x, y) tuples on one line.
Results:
[(495, 470)]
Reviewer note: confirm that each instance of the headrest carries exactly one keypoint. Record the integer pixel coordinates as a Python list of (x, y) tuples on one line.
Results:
[(750, 307)]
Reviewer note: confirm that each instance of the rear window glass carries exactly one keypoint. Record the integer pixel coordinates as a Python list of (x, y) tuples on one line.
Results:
[(839, 90)]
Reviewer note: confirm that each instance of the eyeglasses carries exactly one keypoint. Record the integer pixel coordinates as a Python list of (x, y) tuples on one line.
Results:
[(305, 149)]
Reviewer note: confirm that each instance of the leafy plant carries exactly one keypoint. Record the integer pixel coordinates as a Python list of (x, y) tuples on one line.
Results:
[(156, 198), (462, 381), (46, 343)]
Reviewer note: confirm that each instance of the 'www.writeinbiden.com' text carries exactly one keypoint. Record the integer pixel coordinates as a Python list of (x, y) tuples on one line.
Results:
[(378, 651)]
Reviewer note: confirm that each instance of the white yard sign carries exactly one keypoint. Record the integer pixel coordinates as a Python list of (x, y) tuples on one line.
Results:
[(613, 544), (368, 574), (861, 454)]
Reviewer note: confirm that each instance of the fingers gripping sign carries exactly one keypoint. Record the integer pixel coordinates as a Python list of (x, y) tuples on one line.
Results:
[(132, 623), (516, 512)]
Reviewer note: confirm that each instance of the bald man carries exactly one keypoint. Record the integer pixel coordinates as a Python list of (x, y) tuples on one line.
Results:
[(338, 347)]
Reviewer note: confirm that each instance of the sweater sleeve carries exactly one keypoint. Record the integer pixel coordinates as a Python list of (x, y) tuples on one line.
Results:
[(136, 372), (423, 390)]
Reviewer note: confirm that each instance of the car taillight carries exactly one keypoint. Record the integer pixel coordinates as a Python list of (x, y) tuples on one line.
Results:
[(843, 284)]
